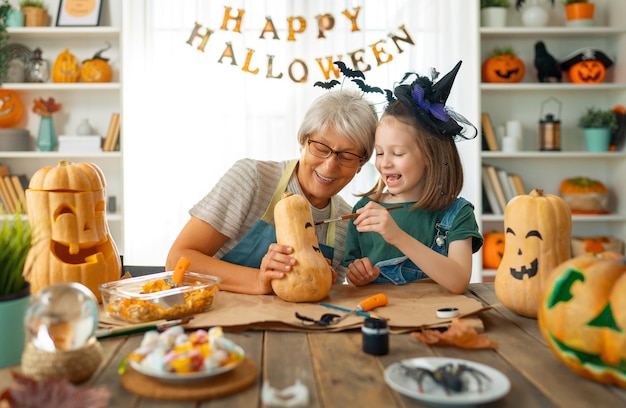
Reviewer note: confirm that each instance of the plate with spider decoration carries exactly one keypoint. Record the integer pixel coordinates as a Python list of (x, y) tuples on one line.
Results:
[(462, 382)]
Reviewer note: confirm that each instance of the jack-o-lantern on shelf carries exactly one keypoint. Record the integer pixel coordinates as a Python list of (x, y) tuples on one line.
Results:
[(503, 66), (66, 68), (11, 108), (582, 316), (586, 66), (71, 238), (493, 249), (538, 229), (97, 68)]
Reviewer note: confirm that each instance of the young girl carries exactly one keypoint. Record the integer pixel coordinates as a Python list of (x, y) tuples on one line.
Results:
[(435, 232)]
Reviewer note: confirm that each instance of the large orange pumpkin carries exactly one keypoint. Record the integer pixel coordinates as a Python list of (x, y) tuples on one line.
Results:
[(65, 68), (96, 69), (72, 242), (538, 229), (11, 108), (582, 316), (503, 67), (493, 249)]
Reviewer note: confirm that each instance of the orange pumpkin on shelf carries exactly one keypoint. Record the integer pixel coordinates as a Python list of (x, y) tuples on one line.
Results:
[(585, 195), (72, 242), (582, 316), (503, 66), (586, 66), (11, 108), (66, 68), (493, 249), (96, 69), (538, 229)]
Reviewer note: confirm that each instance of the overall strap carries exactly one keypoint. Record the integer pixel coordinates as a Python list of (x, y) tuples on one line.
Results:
[(280, 189)]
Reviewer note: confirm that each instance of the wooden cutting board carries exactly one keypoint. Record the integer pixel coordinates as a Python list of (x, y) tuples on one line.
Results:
[(213, 387)]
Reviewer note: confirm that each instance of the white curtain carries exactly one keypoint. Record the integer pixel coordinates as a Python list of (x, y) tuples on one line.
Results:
[(188, 116)]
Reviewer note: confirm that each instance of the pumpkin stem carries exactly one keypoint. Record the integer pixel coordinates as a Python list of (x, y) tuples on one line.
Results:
[(287, 194), (65, 162), (99, 53), (537, 192)]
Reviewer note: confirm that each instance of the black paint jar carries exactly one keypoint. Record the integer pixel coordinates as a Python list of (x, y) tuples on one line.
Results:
[(375, 336)]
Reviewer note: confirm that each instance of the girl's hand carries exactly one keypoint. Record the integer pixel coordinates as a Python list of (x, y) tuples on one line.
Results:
[(274, 265), (373, 217), (361, 272)]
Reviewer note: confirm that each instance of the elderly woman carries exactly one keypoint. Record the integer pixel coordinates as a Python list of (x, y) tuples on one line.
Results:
[(232, 235)]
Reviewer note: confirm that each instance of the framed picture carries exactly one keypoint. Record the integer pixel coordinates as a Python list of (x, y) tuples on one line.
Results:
[(79, 13)]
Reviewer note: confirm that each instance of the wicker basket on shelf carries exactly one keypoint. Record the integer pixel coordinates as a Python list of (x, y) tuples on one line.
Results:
[(35, 16)]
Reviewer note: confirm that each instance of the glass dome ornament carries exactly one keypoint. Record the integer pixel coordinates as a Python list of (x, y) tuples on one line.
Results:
[(37, 68)]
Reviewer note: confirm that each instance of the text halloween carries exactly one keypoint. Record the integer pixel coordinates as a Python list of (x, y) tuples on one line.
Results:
[(297, 69)]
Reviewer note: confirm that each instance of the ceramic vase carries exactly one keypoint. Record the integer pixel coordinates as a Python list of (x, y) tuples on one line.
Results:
[(493, 17), (15, 18), (533, 15), (597, 139), (12, 311), (47, 138)]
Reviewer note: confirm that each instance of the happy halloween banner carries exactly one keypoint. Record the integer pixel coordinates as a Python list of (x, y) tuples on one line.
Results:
[(323, 26)]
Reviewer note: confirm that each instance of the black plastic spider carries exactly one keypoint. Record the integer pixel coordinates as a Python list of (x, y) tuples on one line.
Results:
[(449, 376)]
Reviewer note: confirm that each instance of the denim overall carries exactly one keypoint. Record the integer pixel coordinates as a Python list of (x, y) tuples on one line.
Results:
[(402, 270), (253, 246)]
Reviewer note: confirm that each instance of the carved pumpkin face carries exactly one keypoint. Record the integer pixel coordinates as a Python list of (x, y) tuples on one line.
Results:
[(65, 68), (66, 210), (493, 249), (96, 70), (587, 72), (11, 108), (538, 230), (582, 316), (503, 68)]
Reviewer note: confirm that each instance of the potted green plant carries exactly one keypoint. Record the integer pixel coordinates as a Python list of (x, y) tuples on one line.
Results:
[(35, 13), (598, 126), (493, 12), (533, 15), (15, 242)]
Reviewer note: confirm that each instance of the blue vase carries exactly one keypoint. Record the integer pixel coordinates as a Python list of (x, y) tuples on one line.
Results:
[(47, 137), (597, 139), (12, 312)]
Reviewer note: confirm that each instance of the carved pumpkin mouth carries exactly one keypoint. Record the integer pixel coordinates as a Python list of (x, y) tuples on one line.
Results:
[(592, 361), (6, 111), (589, 78), (83, 256), (507, 74), (525, 271)]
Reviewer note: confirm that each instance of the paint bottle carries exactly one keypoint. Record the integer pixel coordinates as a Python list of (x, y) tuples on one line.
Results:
[(375, 336)]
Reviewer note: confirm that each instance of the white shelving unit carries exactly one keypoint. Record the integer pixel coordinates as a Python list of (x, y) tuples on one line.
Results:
[(93, 101), (523, 101)]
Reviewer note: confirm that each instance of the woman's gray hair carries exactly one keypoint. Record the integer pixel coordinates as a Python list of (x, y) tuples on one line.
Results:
[(348, 113)]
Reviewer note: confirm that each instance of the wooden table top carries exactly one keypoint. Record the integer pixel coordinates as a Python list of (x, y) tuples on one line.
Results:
[(338, 373)]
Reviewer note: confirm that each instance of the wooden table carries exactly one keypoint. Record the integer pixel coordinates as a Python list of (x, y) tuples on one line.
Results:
[(338, 374)]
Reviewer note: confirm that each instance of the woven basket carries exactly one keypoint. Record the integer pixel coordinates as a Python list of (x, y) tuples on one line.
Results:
[(75, 365), (35, 17)]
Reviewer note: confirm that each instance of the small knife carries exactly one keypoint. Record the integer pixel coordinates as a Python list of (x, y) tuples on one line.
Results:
[(347, 217), (160, 325)]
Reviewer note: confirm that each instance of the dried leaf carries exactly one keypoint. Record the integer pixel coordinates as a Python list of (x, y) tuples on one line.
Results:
[(25, 392), (459, 334)]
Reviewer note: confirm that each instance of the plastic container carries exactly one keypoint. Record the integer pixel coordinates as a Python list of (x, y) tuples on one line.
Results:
[(128, 300), (375, 336)]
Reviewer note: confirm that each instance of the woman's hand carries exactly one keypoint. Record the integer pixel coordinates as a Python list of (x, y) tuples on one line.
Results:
[(373, 217), (361, 272), (274, 265)]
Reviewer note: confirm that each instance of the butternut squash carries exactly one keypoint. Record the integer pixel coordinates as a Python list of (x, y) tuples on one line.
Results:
[(310, 279)]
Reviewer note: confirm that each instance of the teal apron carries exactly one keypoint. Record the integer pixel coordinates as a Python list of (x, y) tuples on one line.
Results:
[(254, 245)]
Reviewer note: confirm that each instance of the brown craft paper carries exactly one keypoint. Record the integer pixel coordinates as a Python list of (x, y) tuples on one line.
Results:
[(410, 307)]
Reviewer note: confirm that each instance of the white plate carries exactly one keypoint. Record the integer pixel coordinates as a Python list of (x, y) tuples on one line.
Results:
[(435, 394), (189, 377)]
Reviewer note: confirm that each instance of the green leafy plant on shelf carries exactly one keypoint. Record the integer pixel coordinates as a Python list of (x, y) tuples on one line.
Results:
[(15, 242), (32, 3), (598, 118), (494, 3), (5, 8)]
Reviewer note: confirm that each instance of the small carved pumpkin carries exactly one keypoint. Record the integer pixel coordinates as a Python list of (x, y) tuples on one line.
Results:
[(96, 69), (310, 279), (582, 316), (587, 72), (11, 108), (493, 249), (538, 229), (503, 67), (72, 242), (65, 68)]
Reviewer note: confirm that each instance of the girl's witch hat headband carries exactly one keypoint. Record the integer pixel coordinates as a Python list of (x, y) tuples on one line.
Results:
[(426, 101)]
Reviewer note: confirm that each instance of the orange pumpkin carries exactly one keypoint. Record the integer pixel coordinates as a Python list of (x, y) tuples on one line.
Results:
[(582, 316), (72, 242), (493, 249), (584, 195), (503, 67), (538, 230), (96, 69), (11, 108), (65, 68), (587, 72)]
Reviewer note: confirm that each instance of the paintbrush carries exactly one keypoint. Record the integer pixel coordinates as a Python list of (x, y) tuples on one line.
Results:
[(347, 217)]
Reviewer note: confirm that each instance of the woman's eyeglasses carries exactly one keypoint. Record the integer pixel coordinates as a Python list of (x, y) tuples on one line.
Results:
[(322, 151)]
